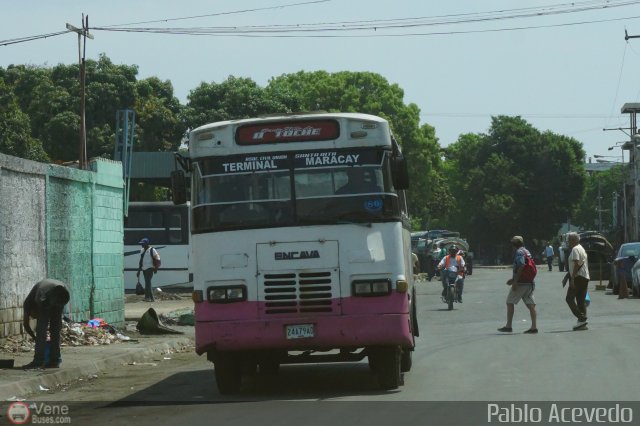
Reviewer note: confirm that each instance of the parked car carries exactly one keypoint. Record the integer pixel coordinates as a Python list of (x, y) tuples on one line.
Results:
[(415, 237), (626, 258), (436, 234)]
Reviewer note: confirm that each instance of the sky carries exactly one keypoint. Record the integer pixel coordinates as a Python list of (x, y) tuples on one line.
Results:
[(561, 68)]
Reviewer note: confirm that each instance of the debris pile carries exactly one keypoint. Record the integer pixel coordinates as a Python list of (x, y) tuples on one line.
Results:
[(74, 334), (17, 344), (178, 317), (158, 294)]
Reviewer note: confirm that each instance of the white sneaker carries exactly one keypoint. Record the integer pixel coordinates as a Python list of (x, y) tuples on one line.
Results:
[(580, 324)]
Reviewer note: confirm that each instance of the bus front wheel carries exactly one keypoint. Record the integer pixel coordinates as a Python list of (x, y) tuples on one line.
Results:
[(406, 360), (387, 366), (228, 373)]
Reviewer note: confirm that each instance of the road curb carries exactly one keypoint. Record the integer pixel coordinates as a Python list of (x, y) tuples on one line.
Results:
[(86, 369)]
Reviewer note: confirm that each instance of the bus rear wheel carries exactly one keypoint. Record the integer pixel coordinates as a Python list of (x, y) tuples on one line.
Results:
[(228, 373), (387, 366)]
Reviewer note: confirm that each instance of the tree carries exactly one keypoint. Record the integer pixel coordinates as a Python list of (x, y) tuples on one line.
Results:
[(514, 180), (234, 98), (15, 132), (158, 114)]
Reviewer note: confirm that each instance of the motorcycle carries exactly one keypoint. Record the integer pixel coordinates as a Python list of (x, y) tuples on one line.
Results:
[(451, 292)]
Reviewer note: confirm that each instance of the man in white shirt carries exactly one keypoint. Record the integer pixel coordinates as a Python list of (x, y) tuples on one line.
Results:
[(578, 279), (149, 257), (548, 253)]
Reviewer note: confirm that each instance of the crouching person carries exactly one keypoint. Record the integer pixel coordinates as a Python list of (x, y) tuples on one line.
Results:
[(45, 303)]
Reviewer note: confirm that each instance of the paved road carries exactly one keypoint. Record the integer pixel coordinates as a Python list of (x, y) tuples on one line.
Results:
[(460, 357)]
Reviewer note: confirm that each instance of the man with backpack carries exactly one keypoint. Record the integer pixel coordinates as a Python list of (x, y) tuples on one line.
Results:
[(522, 285), (149, 264)]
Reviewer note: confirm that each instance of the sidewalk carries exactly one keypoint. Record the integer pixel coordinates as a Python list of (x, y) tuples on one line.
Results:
[(80, 362)]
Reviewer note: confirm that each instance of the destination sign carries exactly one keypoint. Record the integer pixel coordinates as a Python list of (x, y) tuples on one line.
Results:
[(282, 161), (288, 131), (248, 163), (336, 158)]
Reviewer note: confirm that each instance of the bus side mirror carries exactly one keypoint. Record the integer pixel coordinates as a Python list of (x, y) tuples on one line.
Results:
[(399, 172), (178, 187)]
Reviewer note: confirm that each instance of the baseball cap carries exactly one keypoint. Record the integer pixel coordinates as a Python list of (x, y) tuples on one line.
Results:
[(145, 240), (518, 239)]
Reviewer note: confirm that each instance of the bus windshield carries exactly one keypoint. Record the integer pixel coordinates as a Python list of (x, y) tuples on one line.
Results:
[(293, 189)]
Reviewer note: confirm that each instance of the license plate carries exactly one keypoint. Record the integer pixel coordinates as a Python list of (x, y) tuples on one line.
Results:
[(300, 331)]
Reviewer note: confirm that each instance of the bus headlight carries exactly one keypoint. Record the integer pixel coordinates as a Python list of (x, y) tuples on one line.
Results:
[(227, 294), (371, 287)]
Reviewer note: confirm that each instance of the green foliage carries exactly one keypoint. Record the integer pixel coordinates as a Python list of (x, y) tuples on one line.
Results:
[(15, 135), (234, 98), (49, 99), (514, 180)]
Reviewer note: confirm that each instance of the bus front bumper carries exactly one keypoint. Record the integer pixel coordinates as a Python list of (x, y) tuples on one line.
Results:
[(330, 332)]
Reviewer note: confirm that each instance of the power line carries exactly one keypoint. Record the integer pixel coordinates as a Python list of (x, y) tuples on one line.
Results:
[(434, 33), (30, 38), (398, 23), (223, 13), (41, 36), (615, 99)]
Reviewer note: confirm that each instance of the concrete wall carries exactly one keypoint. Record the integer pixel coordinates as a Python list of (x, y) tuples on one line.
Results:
[(108, 237), (23, 258), (62, 223)]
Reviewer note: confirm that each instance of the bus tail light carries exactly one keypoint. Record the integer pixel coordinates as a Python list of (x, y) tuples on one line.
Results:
[(371, 287), (196, 296), (402, 286), (227, 294)]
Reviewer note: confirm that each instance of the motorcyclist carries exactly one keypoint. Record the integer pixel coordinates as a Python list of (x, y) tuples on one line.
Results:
[(452, 262)]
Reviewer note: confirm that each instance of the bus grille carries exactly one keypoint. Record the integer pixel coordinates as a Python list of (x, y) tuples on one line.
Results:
[(298, 293)]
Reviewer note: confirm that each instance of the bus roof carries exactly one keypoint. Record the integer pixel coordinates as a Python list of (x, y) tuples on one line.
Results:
[(289, 132), (293, 116)]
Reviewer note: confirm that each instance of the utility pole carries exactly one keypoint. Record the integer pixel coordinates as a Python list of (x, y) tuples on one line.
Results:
[(83, 33)]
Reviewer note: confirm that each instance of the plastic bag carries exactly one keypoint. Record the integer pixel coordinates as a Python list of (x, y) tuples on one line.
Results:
[(139, 289), (587, 299)]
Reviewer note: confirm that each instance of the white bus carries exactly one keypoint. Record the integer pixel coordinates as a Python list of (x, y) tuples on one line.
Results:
[(167, 226), (301, 245)]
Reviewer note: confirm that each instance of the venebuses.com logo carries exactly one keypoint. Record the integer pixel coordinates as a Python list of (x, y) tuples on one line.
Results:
[(20, 413)]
